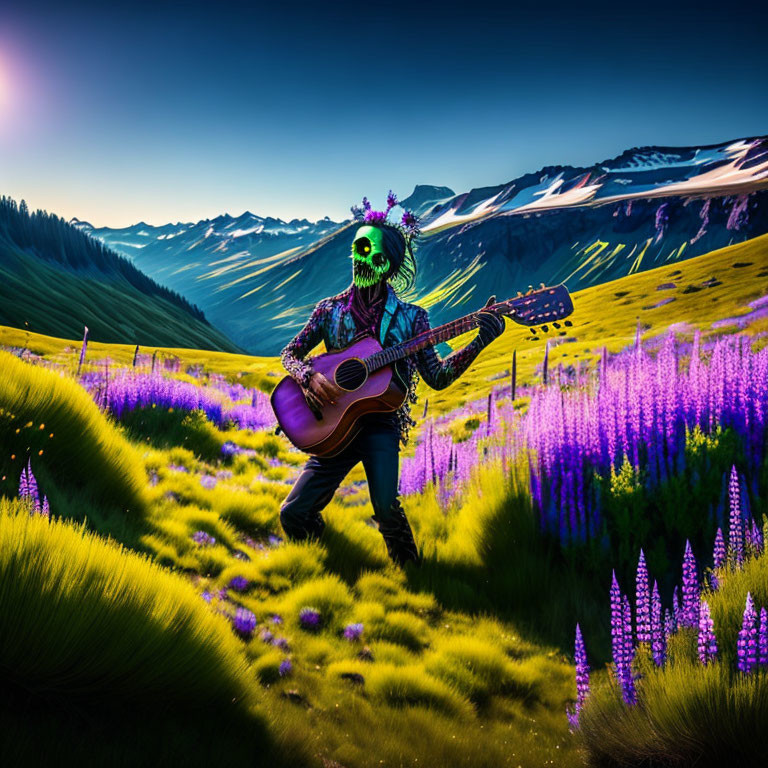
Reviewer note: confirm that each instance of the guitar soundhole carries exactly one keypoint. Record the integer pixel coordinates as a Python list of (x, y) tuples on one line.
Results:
[(351, 374)]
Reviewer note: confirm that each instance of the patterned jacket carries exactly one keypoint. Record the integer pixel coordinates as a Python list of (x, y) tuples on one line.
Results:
[(332, 322)]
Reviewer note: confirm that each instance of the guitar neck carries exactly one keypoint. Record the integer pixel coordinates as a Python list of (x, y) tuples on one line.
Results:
[(417, 343)]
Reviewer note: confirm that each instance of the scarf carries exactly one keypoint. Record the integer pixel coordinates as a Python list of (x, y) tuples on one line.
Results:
[(367, 306)]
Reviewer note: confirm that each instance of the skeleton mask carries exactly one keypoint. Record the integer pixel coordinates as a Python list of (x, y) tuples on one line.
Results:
[(369, 263)]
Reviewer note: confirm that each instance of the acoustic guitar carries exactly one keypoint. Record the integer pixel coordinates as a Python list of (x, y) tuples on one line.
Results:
[(370, 382)]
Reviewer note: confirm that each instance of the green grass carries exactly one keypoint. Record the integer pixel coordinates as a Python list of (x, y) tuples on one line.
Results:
[(43, 298), (83, 463), (103, 645), (463, 662), (688, 714)]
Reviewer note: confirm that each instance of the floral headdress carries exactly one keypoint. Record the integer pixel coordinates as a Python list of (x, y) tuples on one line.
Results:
[(409, 224)]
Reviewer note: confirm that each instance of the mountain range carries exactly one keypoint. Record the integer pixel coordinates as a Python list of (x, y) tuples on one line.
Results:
[(258, 278)]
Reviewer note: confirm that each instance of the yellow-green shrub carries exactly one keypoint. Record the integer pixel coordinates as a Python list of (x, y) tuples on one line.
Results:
[(87, 618)]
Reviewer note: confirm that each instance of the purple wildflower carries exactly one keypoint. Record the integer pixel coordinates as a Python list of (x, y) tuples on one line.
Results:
[(207, 596), (735, 530), (244, 622), (281, 642), (690, 613), (677, 612), (208, 482), (203, 539), (707, 642), (408, 220), (658, 636), (762, 638), (266, 636), (746, 644), (45, 509), (222, 594), (28, 486), (353, 631), (230, 449), (617, 628), (274, 541), (718, 555), (309, 618), (239, 583), (276, 618), (285, 667), (642, 602), (374, 216), (627, 681), (391, 200), (669, 624), (754, 539), (582, 679)]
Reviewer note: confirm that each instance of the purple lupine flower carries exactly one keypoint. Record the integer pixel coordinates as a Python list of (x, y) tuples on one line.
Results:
[(735, 530), (762, 638), (207, 596), (754, 539), (707, 643), (276, 618), (658, 638), (222, 594), (669, 624), (285, 667), (628, 681), (281, 642), (718, 554), (266, 636), (203, 538), (642, 601), (274, 541), (230, 449), (746, 644), (582, 679), (239, 583), (690, 614), (45, 509), (353, 631), (617, 628), (309, 618), (28, 486), (244, 622), (677, 611)]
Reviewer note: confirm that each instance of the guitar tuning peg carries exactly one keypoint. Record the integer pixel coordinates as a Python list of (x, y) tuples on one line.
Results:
[(519, 294), (529, 291), (542, 285)]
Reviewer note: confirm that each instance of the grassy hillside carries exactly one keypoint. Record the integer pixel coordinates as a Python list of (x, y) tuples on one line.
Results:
[(463, 662), (54, 279)]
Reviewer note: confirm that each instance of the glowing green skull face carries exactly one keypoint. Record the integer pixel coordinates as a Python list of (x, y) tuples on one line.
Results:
[(369, 264)]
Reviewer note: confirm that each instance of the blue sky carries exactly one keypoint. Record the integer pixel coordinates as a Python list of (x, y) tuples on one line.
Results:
[(180, 112)]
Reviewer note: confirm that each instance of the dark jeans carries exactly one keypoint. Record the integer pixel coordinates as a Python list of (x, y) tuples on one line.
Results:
[(377, 445)]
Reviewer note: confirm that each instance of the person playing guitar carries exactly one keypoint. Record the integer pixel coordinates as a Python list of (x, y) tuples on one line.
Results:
[(382, 265)]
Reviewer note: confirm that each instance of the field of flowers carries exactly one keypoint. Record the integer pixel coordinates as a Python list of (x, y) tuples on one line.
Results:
[(144, 562)]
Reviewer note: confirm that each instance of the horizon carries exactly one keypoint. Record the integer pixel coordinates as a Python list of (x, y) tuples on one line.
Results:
[(92, 130)]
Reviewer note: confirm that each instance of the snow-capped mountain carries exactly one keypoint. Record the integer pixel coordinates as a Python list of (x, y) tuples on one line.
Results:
[(258, 278)]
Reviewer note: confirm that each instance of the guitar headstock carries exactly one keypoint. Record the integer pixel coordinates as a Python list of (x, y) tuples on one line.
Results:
[(538, 307)]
